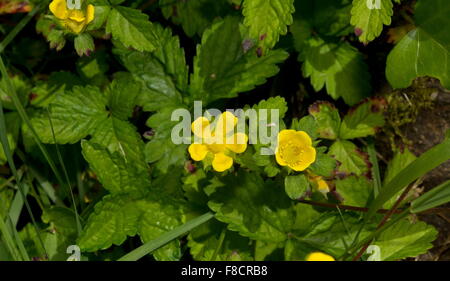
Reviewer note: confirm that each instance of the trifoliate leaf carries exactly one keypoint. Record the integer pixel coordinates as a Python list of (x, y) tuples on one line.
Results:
[(355, 191), (364, 120), (405, 239), (114, 218), (131, 27), (339, 67), (425, 51), (327, 119), (295, 186), (223, 68), (267, 20), (115, 173), (369, 16), (352, 159)]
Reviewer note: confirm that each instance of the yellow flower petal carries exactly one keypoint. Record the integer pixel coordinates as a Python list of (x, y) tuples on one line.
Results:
[(77, 15), (318, 256), (75, 27), (59, 9), (201, 128), (237, 143), (198, 151), (222, 162), (307, 158), (90, 13), (225, 125)]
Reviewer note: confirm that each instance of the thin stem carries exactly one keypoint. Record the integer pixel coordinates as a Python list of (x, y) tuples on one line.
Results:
[(343, 207), (219, 246)]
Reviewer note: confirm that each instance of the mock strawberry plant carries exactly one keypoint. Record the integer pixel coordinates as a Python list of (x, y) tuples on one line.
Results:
[(219, 130)]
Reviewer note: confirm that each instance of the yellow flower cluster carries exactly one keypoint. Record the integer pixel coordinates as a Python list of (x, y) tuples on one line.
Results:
[(74, 20), (221, 142)]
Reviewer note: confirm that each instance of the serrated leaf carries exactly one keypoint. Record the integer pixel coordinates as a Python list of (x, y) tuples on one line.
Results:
[(405, 239), (324, 165), (268, 19), (114, 218), (295, 186), (203, 243), (122, 97), (163, 73), (114, 172), (84, 44), (158, 217), (256, 210), (369, 18), (364, 119), (339, 67), (425, 51), (327, 119), (355, 191), (131, 27), (352, 159), (194, 16), (222, 68), (74, 115)]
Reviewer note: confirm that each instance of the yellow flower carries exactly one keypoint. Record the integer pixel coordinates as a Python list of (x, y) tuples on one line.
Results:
[(222, 142), (74, 20), (295, 150), (319, 183), (318, 256)]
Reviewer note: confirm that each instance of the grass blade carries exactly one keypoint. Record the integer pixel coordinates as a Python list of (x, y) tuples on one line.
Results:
[(168, 237)]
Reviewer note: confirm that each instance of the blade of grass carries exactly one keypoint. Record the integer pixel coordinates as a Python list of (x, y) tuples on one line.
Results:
[(9, 242), (375, 167), (166, 238), (61, 162), (18, 240), (418, 168), (17, 205), (12, 166)]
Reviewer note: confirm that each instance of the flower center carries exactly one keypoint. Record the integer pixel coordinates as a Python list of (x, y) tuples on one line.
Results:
[(291, 153)]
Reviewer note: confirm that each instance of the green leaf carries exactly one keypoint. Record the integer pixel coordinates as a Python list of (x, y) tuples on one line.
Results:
[(122, 97), (352, 159), (204, 240), (267, 20), (296, 186), (405, 239), (163, 73), (222, 68), (339, 67), (425, 51), (114, 218), (400, 161), (131, 27), (356, 191), (370, 19), (84, 44), (255, 209), (114, 171), (324, 165), (160, 216), (364, 120), (194, 16), (74, 115), (327, 119)]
